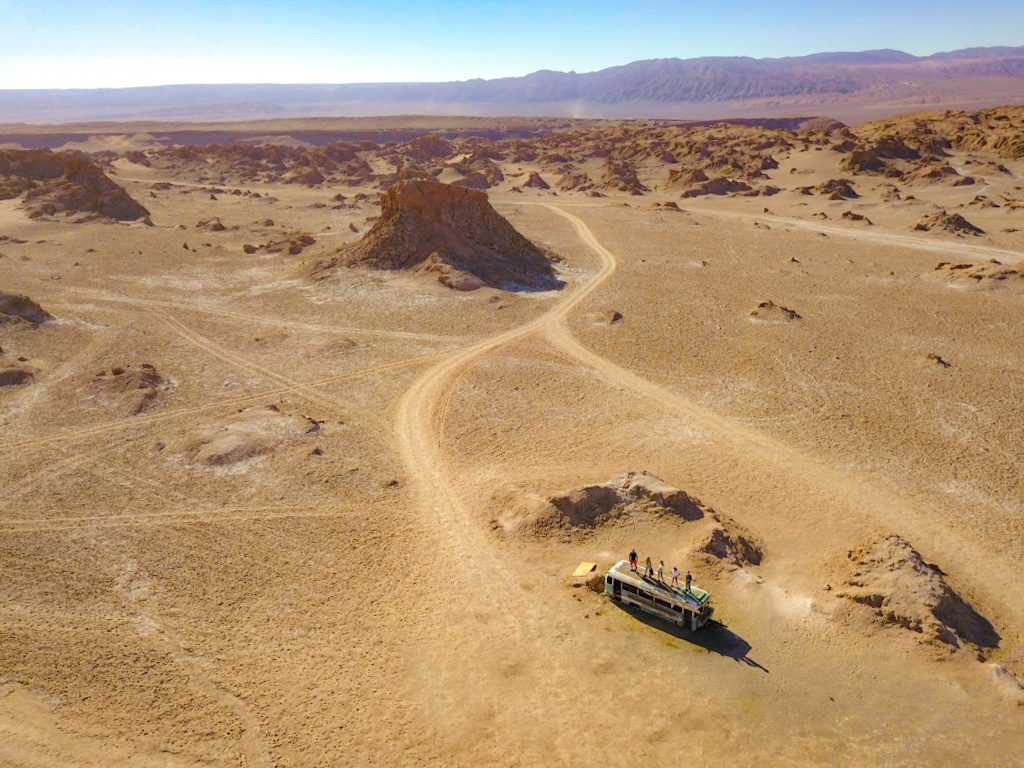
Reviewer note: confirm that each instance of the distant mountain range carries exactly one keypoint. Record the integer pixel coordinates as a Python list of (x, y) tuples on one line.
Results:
[(866, 83)]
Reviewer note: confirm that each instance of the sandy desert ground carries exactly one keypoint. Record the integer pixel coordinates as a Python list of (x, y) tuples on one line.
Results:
[(253, 518)]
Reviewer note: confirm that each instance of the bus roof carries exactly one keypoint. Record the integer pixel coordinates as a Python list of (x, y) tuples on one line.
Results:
[(695, 596)]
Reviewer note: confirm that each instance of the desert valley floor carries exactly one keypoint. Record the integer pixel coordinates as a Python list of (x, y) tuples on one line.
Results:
[(251, 516)]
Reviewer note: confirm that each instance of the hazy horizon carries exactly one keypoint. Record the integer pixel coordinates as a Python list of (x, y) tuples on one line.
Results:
[(472, 78), (59, 44)]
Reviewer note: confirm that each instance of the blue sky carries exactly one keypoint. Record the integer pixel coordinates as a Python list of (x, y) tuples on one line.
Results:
[(117, 43)]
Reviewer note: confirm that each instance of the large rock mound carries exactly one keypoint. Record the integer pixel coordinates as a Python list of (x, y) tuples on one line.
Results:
[(593, 504), (713, 538), (582, 511), (448, 229), (64, 183), (890, 576)]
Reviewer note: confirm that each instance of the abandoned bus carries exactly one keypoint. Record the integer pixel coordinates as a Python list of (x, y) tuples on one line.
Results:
[(681, 606)]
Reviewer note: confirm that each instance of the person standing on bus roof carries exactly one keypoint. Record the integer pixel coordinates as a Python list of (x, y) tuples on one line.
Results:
[(632, 561), (661, 571), (649, 569), (675, 576), (689, 580)]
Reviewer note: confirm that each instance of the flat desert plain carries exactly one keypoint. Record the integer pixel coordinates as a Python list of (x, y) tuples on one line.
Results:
[(253, 515)]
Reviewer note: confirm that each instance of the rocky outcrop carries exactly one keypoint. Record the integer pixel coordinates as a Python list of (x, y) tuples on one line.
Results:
[(575, 182), (443, 228), (622, 177), (536, 182), (570, 515), (988, 274), (685, 179), (15, 377), (947, 222), (211, 225), (309, 177), (131, 388), (720, 185), (728, 544), (837, 189), (15, 307), (428, 147), (65, 184), (293, 246), (769, 310), (868, 162), (593, 504), (858, 217)]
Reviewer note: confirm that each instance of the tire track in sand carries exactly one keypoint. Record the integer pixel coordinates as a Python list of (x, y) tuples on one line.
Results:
[(419, 409), (483, 585), (335, 330), (418, 436), (303, 390), (206, 516), (133, 421), (781, 462)]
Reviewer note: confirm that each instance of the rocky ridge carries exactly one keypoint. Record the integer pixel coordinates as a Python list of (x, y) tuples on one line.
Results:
[(63, 183)]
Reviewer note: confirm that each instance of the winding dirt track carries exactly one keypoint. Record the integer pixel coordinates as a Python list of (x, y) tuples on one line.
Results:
[(416, 419), (300, 388), (419, 430), (943, 247)]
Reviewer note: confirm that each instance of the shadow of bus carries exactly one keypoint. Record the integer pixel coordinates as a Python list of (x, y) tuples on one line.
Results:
[(714, 637)]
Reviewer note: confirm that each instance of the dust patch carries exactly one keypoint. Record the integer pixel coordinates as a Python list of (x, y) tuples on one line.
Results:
[(250, 434)]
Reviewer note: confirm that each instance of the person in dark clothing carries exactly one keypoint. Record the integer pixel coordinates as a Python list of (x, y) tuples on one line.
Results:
[(632, 561), (689, 580)]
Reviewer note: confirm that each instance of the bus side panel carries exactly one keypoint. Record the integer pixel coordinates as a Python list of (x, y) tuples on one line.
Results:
[(612, 587)]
